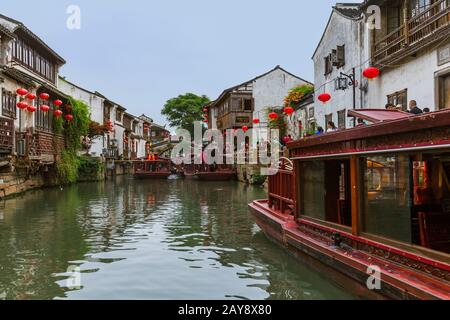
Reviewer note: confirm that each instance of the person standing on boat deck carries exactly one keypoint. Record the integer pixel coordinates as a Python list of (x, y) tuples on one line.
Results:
[(426, 110), (413, 108), (331, 127)]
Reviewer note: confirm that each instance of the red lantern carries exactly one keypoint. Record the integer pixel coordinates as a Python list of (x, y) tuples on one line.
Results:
[(245, 128), (21, 92), (289, 111), (31, 96), (57, 113), (205, 121), (22, 105), (44, 96), (273, 115), (286, 139), (31, 108), (256, 121), (68, 117), (371, 73), (44, 108), (58, 103), (324, 97), (205, 110)]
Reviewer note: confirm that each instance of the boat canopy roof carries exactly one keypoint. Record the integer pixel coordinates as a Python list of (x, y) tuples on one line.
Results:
[(398, 133), (378, 115)]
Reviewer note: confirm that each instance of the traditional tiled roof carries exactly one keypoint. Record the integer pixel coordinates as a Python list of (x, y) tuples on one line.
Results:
[(20, 76), (225, 92), (353, 12), (4, 30), (13, 25)]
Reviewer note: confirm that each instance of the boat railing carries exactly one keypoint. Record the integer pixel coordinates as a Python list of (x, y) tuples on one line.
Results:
[(282, 188)]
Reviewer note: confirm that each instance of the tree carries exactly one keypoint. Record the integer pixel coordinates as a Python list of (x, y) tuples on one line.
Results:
[(184, 110)]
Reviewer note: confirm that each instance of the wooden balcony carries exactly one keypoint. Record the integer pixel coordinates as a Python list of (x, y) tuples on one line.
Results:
[(426, 28), (39, 146)]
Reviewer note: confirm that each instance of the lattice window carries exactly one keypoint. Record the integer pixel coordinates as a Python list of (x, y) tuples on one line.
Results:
[(9, 100)]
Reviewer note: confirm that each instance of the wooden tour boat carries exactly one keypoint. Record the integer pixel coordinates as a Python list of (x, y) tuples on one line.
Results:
[(371, 198), (153, 169), (215, 173)]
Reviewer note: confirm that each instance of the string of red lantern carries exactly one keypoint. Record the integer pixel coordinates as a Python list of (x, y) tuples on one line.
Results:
[(289, 111), (256, 121), (273, 115), (245, 128)]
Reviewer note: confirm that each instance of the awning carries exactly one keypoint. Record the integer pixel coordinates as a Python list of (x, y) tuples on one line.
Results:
[(378, 115)]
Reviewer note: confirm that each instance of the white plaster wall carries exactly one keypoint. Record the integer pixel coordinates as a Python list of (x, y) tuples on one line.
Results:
[(118, 135), (95, 104), (416, 75), (270, 91), (341, 31)]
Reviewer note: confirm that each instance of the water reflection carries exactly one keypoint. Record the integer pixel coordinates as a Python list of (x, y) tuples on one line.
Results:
[(176, 239)]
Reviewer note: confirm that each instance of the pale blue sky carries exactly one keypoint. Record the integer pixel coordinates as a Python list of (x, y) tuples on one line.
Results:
[(141, 53)]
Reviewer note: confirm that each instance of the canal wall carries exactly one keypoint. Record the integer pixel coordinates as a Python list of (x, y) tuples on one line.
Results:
[(16, 179), (19, 176)]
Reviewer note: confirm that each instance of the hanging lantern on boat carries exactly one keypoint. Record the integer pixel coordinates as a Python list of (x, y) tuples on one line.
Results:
[(44, 108), (31, 96), (245, 128), (256, 121), (22, 91), (22, 105), (324, 97), (44, 96), (273, 115), (31, 109), (57, 113), (371, 73), (289, 111), (68, 117), (58, 103)]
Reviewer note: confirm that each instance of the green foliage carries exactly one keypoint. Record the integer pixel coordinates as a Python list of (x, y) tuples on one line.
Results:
[(258, 179), (279, 123), (89, 167), (67, 168), (79, 126), (184, 110), (296, 94)]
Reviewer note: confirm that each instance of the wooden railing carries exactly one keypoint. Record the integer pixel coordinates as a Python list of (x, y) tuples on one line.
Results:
[(427, 24), (282, 188)]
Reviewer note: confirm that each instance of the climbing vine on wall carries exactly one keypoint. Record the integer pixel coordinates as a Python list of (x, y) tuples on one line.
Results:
[(67, 166)]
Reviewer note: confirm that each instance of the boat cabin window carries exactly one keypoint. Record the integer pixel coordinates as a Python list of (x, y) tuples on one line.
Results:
[(325, 191), (386, 206), (407, 198)]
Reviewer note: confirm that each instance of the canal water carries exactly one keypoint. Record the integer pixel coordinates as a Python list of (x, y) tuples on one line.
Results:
[(178, 239)]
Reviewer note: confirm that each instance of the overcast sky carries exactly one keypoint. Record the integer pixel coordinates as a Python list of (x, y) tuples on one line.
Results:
[(141, 53)]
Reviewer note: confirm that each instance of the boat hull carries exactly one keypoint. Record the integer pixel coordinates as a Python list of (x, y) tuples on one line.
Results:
[(152, 175), (216, 176), (397, 282)]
